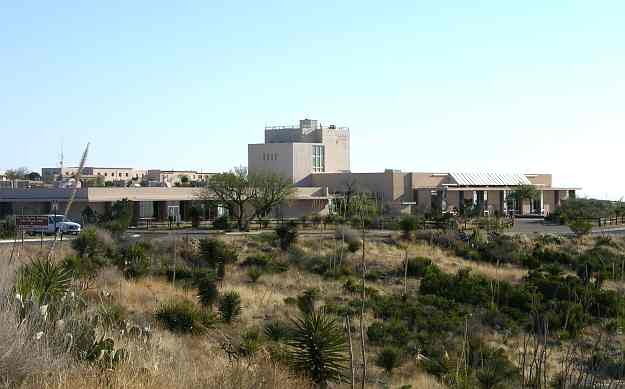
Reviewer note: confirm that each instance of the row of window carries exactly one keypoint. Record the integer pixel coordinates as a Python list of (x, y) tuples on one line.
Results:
[(113, 174), (270, 156)]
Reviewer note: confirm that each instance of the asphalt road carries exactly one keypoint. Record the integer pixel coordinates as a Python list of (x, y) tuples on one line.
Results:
[(31, 240)]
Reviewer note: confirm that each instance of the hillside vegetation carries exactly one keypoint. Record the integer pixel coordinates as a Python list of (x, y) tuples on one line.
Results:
[(430, 309)]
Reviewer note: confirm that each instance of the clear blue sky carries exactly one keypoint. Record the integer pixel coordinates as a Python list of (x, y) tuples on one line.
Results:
[(532, 86)]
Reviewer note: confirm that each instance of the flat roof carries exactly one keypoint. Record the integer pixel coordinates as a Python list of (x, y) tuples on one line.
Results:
[(110, 194)]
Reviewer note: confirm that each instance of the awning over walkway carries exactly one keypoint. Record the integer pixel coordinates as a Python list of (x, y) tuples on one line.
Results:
[(489, 179)]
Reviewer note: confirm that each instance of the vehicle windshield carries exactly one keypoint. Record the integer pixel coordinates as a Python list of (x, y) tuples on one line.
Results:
[(59, 219)]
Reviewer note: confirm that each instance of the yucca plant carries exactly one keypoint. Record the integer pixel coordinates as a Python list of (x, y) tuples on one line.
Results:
[(43, 280), (254, 272), (230, 306), (207, 289), (318, 348)]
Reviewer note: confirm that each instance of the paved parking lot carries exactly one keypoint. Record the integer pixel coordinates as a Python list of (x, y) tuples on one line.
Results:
[(537, 226)]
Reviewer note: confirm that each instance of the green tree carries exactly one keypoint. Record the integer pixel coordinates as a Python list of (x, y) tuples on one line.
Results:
[(17, 174), (522, 193), (271, 190), (247, 196), (318, 348), (408, 224)]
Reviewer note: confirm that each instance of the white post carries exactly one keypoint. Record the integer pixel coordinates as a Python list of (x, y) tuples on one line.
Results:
[(505, 202), (542, 206)]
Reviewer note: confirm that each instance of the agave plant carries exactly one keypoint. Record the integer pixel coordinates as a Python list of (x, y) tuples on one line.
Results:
[(318, 348), (43, 280)]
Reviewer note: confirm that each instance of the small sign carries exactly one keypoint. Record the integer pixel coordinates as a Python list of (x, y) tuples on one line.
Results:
[(31, 222)]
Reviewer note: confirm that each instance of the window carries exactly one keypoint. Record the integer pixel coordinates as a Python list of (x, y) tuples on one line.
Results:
[(126, 174), (318, 158)]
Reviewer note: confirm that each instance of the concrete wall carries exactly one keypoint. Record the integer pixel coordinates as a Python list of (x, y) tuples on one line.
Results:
[(383, 184), (428, 180), (337, 149), (540, 179), (273, 157), (302, 163)]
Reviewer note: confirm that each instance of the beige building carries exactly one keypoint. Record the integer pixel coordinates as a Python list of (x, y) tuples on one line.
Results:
[(315, 156), (176, 177), (107, 174), (154, 203), (297, 151)]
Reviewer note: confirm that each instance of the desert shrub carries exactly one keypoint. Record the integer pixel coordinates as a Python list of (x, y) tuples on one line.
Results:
[(277, 330), (307, 301), (287, 235), (408, 224), (353, 246), (266, 263), (417, 266), (504, 249), (230, 306), (81, 268), (375, 275), (251, 340), (552, 254), (580, 227), (222, 223), (388, 359), (260, 260), (133, 260), (354, 286), (464, 287), (110, 314), (42, 280), (94, 243), (254, 273), (318, 348), (327, 267), (494, 368), (341, 308), (181, 315), (214, 251)]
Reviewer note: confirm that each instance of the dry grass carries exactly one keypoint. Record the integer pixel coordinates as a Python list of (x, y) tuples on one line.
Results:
[(175, 362)]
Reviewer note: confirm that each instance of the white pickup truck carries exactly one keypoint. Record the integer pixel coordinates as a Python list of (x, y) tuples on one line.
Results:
[(58, 223)]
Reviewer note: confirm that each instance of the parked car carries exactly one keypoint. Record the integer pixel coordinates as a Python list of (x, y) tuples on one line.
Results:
[(59, 223)]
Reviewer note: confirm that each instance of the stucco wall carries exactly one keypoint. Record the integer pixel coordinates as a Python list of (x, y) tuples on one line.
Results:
[(283, 163), (541, 179), (383, 184)]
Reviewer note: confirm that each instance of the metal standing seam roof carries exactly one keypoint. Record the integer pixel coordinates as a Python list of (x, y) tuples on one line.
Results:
[(490, 179)]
